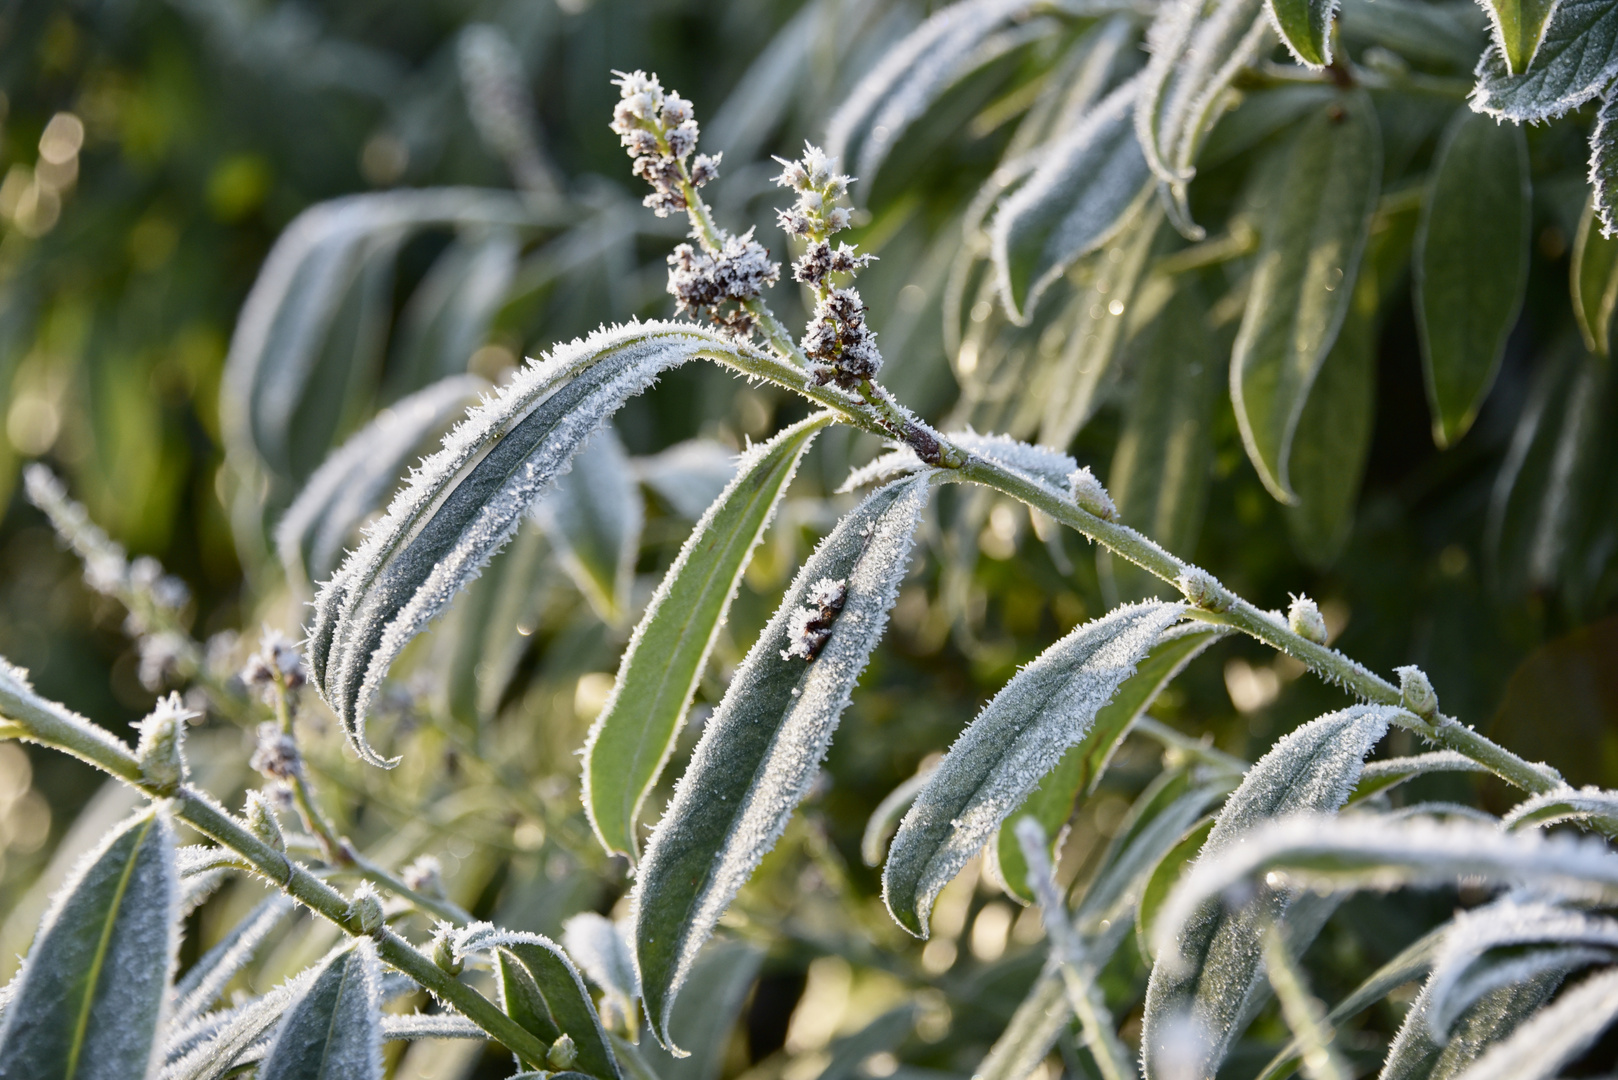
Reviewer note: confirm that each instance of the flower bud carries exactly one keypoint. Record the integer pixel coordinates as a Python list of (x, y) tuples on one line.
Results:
[(1305, 620), (1203, 590), (425, 875), (366, 909), (444, 949), (1417, 691), (161, 750), (1087, 491), (562, 1053), (262, 822)]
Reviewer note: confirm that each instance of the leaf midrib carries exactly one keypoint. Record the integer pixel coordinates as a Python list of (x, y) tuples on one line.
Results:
[(82, 1024)]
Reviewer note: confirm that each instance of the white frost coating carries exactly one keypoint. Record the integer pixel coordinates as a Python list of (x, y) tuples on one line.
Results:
[(1463, 972), (1002, 755), (1564, 804), (349, 652), (761, 750), (601, 950), (1561, 1032), (1041, 464), (137, 892), (1576, 59), (354, 479), (1404, 768), (690, 475), (335, 1025), (1208, 960), (210, 1044), (430, 1026), (910, 76), (208, 977), (1076, 200), (593, 518)]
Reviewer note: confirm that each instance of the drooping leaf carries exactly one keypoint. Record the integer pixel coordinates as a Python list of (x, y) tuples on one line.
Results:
[(1078, 197), (209, 976), (1317, 207), (1576, 59), (91, 992), (1207, 975), (359, 475), (1048, 707), (1594, 280), (1471, 264), (1078, 771), (1539, 1048), (542, 990), (448, 316), (706, 1014), (1305, 28), (1517, 26), (593, 519), (466, 500), (333, 1029), (690, 475), (760, 750), (1197, 48), (633, 736)]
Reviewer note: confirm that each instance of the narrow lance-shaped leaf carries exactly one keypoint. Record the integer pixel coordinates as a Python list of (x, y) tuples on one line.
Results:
[(1019, 736), (1565, 804), (1594, 280), (1541, 1047), (1164, 876), (599, 947), (541, 989), (1380, 776), (1316, 209), (1518, 26), (1413, 1055), (1077, 198), (1305, 28), (1604, 164), (593, 519), (334, 1028), (760, 750), (884, 820), (1471, 264), (91, 993), (706, 1014), (1207, 976), (209, 1046), (632, 738), (208, 977), (448, 316), (1075, 776), (1576, 59), (465, 501), (357, 477)]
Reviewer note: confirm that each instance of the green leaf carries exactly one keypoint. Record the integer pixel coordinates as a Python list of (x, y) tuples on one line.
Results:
[(631, 740), (705, 1016), (1380, 776), (209, 976), (1471, 264), (1315, 208), (91, 991), (1539, 1048), (1594, 280), (593, 519), (1576, 59), (1075, 776), (761, 749), (1047, 707), (1305, 28), (1212, 970), (1415, 1056), (1604, 163), (333, 1030), (448, 315), (1165, 875), (1518, 26), (1078, 197), (465, 501), (884, 820), (1034, 1028)]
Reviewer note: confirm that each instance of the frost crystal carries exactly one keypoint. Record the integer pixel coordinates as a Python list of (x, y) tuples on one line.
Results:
[(1305, 620), (809, 627), (705, 282)]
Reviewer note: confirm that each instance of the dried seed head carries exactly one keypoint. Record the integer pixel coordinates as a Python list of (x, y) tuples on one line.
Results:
[(366, 908), (1417, 692), (1090, 496), (276, 755), (1203, 590), (1305, 620), (161, 750), (262, 822)]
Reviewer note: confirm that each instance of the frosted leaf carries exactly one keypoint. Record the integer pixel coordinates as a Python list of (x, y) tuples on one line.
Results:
[(1383, 775), (210, 975), (1557, 1035), (1077, 199), (430, 1026), (103, 956), (465, 501), (209, 1045), (593, 518), (355, 479), (1018, 737), (600, 948), (761, 750), (1576, 59), (885, 818), (1563, 804), (688, 475), (334, 1027), (1209, 960), (1414, 1056)]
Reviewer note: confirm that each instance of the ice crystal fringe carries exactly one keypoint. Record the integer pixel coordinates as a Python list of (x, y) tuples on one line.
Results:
[(464, 502), (1576, 59), (334, 1027), (208, 977)]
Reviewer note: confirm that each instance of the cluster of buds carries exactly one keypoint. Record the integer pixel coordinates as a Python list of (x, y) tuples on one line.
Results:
[(276, 755), (277, 664), (839, 343), (720, 283), (810, 627), (659, 132)]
